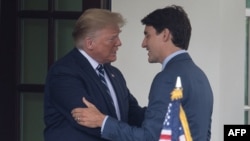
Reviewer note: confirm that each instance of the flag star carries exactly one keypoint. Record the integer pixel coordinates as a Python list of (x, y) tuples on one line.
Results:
[(168, 123), (168, 117)]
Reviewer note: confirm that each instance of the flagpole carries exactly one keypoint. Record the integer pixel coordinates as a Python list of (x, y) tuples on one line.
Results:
[(177, 94)]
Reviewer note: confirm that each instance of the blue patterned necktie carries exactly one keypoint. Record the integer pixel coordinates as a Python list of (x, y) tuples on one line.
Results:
[(100, 69), (101, 75)]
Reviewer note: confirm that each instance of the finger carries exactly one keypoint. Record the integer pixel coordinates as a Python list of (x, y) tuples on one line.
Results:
[(87, 103), (76, 110), (78, 119), (75, 116)]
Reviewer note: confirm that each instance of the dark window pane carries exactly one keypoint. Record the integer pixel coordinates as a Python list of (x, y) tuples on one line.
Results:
[(34, 4), (64, 39), (32, 124), (34, 35), (68, 5)]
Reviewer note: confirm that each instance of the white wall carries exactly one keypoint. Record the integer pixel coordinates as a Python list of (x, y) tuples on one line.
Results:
[(217, 45)]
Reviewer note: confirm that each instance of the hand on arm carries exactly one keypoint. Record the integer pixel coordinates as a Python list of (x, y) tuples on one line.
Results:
[(89, 117)]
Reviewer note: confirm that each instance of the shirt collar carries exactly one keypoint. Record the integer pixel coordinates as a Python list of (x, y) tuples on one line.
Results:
[(167, 59), (93, 62)]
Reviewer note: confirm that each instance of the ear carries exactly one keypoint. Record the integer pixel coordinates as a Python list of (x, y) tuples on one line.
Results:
[(166, 34), (89, 42)]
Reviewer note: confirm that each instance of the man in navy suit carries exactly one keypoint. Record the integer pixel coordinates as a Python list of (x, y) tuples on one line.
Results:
[(96, 36), (167, 34)]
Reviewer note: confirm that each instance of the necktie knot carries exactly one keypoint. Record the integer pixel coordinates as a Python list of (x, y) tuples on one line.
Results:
[(100, 68)]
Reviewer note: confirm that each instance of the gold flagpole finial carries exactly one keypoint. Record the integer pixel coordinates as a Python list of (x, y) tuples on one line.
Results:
[(177, 92)]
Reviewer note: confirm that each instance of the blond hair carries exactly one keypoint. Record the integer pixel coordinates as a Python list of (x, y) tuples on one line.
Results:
[(93, 20)]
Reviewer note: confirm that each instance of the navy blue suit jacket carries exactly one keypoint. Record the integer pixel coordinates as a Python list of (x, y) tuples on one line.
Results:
[(72, 78), (197, 102)]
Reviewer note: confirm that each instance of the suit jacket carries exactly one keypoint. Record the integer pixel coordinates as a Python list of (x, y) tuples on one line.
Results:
[(197, 102), (72, 78)]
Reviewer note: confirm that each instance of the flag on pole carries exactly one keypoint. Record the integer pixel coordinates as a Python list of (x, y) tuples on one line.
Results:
[(175, 126)]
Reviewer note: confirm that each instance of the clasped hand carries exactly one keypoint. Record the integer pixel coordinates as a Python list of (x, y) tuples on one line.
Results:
[(89, 116)]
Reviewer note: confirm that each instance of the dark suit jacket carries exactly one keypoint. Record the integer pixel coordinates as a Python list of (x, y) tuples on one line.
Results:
[(73, 77), (197, 103)]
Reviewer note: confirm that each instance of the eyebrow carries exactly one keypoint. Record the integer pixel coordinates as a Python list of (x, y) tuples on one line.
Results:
[(145, 32)]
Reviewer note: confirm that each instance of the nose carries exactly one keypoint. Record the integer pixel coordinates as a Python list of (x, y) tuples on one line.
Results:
[(143, 44), (118, 42)]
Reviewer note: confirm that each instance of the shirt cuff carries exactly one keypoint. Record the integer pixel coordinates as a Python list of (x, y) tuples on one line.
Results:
[(103, 123)]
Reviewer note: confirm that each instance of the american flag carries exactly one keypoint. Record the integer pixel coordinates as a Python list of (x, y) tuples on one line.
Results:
[(172, 129), (175, 126)]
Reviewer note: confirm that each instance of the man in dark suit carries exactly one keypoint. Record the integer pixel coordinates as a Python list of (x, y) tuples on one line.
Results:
[(96, 36), (167, 34)]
